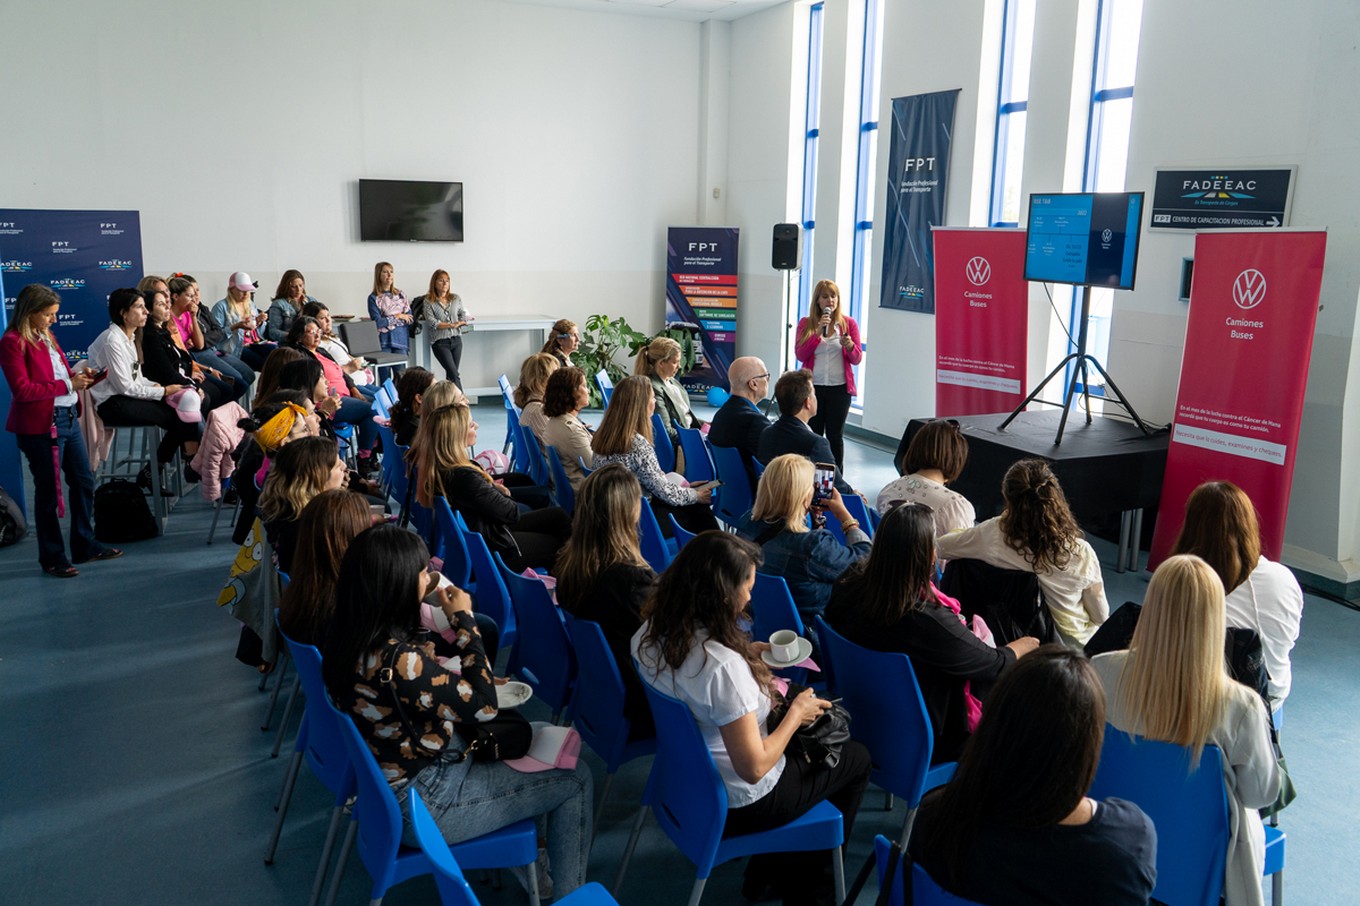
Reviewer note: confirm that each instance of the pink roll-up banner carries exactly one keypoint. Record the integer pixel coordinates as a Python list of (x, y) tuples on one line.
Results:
[(981, 320), (1248, 341)]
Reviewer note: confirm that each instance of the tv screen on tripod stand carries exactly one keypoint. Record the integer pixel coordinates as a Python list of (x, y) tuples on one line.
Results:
[(1086, 239)]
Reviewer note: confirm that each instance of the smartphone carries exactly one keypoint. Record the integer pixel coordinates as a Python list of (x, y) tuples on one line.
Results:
[(701, 485), (823, 481)]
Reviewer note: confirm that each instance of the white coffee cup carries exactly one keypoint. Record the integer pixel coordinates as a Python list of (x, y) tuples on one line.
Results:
[(784, 645)]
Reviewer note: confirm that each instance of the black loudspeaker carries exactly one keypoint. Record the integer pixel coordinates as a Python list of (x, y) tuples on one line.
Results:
[(784, 251)]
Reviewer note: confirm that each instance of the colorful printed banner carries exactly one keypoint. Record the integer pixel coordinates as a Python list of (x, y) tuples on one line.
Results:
[(981, 320), (701, 294), (83, 255), (1253, 306), (918, 172)]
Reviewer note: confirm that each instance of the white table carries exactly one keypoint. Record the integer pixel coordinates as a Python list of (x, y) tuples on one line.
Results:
[(487, 350)]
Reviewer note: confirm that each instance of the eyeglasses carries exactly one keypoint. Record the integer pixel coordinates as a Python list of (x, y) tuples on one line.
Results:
[(761, 377)]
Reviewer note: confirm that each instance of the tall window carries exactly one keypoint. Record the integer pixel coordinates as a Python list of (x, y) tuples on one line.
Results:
[(1118, 23), (1012, 104), (865, 168), (812, 119)]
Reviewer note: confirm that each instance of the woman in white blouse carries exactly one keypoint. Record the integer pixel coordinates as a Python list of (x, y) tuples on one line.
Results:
[(565, 396), (692, 648), (934, 458), (1221, 528), (1036, 532), (625, 436)]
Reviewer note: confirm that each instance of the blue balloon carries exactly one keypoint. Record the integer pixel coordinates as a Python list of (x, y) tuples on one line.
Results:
[(717, 396)]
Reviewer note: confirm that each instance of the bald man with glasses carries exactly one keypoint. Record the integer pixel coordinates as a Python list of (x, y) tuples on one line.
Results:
[(739, 423)]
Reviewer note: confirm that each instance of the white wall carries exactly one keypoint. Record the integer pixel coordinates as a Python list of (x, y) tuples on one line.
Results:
[(239, 131)]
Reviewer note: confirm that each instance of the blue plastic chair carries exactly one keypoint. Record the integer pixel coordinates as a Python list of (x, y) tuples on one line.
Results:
[(543, 654), (392, 458), (511, 412), (698, 466), (925, 892), (529, 456), (880, 690), (681, 536), (490, 596), (736, 497), (665, 450), (689, 800), (457, 559), (597, 709), (454, 889), (422, 519), (1188, 808), (562, 489), (655, 548), (860, 510), (322, 745), (382, 403), (378, 821), (390, 386), (773, 609), (605, 384)]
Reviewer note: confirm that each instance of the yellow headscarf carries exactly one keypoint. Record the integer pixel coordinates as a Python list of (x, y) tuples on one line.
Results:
[(274, 432)]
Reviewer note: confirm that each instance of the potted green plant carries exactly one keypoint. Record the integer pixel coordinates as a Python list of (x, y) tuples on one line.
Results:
[(601, 339)]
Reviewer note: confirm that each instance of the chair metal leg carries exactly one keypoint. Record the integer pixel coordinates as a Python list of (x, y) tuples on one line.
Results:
[(604, 794), (697, 892), (287, 715), (888, 802), (285, 796), (340, 863), (838, 867), (264, 681), (217, 514), (1277, 888), (280, 670), (906, 828), (531, 870), (628, 851), (327, 848)]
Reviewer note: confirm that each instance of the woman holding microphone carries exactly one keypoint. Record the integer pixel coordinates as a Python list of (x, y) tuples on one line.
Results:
[(828, 345)]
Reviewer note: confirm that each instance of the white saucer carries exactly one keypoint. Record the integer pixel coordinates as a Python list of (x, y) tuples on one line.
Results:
[(513, 694), (804, 652)]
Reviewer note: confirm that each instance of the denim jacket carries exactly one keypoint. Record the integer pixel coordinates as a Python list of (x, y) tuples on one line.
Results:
[(810, 562)]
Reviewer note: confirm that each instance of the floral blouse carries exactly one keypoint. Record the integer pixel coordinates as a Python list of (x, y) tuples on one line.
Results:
[(433, 697), (641, 461)]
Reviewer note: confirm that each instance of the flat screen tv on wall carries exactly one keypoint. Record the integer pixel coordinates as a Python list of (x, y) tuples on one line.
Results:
[(410, 210)]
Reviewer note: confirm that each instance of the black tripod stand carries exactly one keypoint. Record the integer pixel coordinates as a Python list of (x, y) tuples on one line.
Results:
[(1080, 357)]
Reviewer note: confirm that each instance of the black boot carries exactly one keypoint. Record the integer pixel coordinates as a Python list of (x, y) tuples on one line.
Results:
[(144, 482)]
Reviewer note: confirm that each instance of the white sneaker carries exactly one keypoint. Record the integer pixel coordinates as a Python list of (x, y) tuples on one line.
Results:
[(545, 882)]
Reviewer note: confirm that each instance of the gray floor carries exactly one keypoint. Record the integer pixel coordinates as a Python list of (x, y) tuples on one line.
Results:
[(132, 767)]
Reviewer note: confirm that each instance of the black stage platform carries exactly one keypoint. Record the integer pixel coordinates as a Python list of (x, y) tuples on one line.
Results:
[(1106, 468)]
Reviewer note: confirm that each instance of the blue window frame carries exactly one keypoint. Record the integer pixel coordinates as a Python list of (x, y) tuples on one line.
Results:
[(1012, 111), (811, 120), (866, 166)]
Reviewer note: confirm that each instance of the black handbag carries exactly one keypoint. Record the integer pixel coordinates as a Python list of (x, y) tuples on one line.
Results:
[(121, 513), (820, 741)]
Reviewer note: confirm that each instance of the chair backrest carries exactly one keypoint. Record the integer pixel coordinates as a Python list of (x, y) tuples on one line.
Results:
[(391, 459), (491, 597), (529, 455), (650, 539), (735, 497), (685, 791), (773, 607), (562, 489), (925, 892), (543, 651), (889, 714), (508, 396), (665, 450), (698, 465), (448, 877), (860, 510), (375, 809), (1188, 808), (325, 749), (1010, 600), (381, 403), (605, 384), (390, 386), (681, 536), (597, 709), (421, 517), (457, 559)]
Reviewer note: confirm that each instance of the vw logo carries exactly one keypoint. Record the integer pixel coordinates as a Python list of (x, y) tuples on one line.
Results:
[(1106, 234), (978, 270), (1249, 289)]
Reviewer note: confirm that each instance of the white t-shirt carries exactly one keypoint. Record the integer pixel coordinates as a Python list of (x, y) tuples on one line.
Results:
[(717, 686), (1271, 602), (951, 509), (828, 363)]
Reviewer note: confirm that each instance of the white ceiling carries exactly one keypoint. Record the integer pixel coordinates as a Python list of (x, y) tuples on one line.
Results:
[(685, 10)]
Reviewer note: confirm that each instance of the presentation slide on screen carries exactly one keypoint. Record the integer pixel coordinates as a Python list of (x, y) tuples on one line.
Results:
[(1084, 239)]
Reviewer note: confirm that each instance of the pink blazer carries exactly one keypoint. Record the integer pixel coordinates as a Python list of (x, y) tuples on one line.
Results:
[(35, 387), (807, 350)]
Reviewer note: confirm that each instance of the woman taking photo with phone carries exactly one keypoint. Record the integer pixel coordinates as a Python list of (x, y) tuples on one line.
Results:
[(43, 418), (827, 344)]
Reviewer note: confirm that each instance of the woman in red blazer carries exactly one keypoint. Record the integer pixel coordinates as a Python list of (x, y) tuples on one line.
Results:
[(827, 344), (43, 417)]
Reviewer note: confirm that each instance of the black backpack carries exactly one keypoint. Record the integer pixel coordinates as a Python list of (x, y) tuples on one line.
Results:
[(121, 513), (13, 525)]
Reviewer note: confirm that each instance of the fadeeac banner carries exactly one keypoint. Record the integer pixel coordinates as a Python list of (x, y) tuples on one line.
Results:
[(701, 295), (918, 173), (981, 320), (1253, 306), (83, 255)]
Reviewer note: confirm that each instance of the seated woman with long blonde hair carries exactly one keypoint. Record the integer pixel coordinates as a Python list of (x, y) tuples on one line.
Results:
[(1172, 685)]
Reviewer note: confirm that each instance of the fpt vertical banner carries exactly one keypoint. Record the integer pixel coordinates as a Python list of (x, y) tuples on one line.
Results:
[(701, 295), (1253, 306), (918, 173), (83, 255), (981, 320)]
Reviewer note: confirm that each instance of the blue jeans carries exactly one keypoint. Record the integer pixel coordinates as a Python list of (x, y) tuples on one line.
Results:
[(228, 364), (469, 799), (358, 412), (79, 490)]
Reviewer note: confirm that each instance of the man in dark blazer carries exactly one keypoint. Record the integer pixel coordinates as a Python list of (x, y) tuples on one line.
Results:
[(791, 434), (740, 423)]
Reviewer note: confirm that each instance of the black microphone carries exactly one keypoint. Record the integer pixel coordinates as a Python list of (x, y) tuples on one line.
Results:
[(826, 328)]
